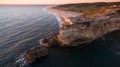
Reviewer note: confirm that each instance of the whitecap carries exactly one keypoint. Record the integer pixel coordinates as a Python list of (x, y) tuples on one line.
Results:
[(21, 61)]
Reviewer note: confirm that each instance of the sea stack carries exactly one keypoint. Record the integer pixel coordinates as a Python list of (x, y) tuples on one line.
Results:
[(35, 53)]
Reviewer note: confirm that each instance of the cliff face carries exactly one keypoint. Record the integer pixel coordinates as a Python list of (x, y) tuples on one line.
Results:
[(85, 31), (76, 30)]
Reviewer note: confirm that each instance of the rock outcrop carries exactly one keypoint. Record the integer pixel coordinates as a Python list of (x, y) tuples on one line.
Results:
[(85, 32), (36, 52), (76, 30), (78, 33)]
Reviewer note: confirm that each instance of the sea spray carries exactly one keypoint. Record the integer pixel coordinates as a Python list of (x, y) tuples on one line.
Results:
[(21, 61), (59, 20)]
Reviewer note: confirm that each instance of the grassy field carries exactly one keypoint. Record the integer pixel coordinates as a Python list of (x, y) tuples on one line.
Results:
[(91, 10)]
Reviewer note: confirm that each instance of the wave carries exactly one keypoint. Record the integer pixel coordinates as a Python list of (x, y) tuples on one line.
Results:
[(21, 31)]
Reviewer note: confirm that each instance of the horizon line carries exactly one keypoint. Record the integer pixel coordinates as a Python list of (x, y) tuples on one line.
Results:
[(29, 4), (57, 4)]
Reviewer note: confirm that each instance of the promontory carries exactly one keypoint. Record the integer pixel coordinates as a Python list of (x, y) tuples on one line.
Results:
[(81, 24)]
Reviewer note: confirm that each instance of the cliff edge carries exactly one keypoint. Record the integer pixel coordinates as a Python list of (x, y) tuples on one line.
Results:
[(77, 29), (79, 26)]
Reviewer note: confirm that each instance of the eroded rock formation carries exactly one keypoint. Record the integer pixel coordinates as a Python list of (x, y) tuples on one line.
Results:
[(76, 34), (36, 52), (85, 32)]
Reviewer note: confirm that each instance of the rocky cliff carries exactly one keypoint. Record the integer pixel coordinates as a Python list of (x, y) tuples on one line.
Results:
[(35, 53), (87, 31), (83, 33), (75, 31)]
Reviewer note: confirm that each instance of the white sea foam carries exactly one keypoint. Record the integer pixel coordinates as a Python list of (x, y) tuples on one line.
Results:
[(41, 41), (21, 60), (59, 20), (20, 28)]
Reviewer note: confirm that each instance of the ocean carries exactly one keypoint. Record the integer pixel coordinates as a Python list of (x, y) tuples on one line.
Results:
[(21, 28)]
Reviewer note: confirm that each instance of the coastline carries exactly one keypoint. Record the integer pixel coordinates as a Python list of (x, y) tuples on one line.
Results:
[(56, 15), (77, 34), (69, 34), (61, 15)]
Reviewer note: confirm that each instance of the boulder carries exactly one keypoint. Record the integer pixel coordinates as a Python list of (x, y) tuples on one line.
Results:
[(36, 52)]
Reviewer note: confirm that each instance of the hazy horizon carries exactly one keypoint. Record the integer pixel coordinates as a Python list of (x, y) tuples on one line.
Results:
[(38, 2)]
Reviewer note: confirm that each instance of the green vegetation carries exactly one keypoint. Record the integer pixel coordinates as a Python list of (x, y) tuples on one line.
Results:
[(91, 10)]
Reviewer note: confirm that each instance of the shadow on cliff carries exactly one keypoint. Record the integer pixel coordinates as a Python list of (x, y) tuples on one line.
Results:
[(103, 52)]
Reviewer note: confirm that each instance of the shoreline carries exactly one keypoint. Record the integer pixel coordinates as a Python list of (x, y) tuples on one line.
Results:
[(62, 15), (77, 34), (65, 14), (70, 31), (56, 16)]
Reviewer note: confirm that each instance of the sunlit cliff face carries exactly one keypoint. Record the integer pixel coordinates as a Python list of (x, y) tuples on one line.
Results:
[(68, 20)]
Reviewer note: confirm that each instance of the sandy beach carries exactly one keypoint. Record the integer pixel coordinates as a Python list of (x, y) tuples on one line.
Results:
[(64, 14)]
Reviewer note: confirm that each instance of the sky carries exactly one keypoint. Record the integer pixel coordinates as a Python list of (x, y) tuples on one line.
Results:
[(51, 1)]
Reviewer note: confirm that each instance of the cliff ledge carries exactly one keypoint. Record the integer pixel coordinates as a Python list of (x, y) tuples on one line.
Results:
[(78, 30)]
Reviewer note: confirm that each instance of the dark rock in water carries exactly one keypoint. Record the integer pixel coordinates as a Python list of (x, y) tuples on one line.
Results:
[(36, 52)]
